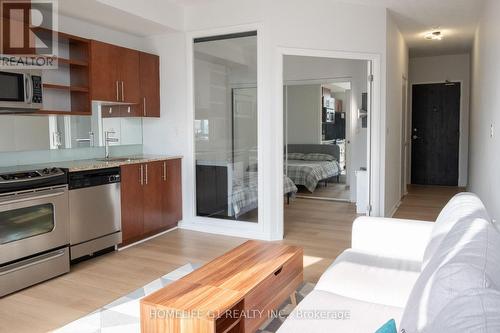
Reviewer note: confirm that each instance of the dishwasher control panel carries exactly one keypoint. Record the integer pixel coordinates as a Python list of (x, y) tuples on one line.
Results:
[(91, 178)]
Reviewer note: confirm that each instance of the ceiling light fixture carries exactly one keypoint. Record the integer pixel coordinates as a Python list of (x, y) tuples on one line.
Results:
[(434, 35)]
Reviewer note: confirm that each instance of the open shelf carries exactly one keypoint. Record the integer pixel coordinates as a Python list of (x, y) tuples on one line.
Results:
[(66, 87), (64, 112)]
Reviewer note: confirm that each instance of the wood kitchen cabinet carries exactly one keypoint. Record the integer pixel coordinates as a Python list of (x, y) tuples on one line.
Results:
[(132, 179), (149, 69), (151, 198), (114, 73)]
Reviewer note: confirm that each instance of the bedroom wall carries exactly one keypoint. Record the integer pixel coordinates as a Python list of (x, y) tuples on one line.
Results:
[(304, 113), (484, 140), (453, 68), (397, 57)]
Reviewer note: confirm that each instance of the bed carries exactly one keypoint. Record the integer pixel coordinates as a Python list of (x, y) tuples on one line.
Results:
[(244, 195), (309, 173)]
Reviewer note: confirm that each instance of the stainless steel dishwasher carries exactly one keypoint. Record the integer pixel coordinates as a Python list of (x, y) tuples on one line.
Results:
[(94, 210)]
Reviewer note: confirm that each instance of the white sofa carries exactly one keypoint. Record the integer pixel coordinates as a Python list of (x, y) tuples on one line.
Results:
[(441, 276)]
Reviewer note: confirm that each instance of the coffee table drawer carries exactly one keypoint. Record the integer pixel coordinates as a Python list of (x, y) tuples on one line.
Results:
[(272, 291)]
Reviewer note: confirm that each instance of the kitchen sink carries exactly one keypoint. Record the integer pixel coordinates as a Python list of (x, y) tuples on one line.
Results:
[(119, 159)]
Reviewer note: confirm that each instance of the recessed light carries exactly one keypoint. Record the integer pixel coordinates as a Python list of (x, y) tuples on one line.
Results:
[(434, 35)]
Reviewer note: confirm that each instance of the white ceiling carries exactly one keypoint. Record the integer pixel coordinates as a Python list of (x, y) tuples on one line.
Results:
[(109, 16), (456, 18)]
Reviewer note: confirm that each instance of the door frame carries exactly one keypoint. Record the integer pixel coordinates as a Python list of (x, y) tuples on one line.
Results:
[(208, 224), (375, 151), (405, 138), (463, 145)]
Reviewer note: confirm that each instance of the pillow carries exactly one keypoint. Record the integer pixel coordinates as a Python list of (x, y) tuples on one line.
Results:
[(467, 258), (475, 311), (318, 157), (295, 156), (389, 327)]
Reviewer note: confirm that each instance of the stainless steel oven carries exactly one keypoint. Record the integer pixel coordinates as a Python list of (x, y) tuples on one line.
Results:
[(34, 229), (21, 91)]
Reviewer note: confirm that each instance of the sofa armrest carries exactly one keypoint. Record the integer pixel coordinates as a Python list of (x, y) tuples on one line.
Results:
[(396, 238)]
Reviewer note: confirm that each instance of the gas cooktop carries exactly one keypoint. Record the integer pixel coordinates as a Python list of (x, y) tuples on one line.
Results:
[(32, 179)]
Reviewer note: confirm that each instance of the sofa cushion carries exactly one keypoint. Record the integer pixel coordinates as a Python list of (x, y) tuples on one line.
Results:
[(467, 258), (370, 278), (476, 311), (361, 316), (463, 206)]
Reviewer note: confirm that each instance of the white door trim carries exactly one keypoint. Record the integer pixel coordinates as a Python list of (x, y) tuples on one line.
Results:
[(375, 148), (213, 225)]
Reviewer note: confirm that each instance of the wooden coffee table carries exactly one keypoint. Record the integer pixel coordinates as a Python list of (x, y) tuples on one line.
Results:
[(233, 293)]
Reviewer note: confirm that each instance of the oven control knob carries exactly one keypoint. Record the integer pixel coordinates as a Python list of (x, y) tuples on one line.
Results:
[(54, 170), (46, 171)]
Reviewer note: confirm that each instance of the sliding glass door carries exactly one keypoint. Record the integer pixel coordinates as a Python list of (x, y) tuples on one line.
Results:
[(225, 92)]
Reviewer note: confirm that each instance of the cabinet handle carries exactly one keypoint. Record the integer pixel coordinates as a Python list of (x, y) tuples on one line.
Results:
[(123, 93), (117, 92), (142, 175), (146, 174), (144, 105), (164, 171)]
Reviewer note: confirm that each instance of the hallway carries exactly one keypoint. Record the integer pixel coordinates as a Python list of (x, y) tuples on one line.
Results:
[(425, 202)]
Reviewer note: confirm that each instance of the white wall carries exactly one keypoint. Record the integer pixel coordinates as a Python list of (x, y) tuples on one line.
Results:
[(304, 114), (454, 68), (397, 60), (281, 24), (484, 159)]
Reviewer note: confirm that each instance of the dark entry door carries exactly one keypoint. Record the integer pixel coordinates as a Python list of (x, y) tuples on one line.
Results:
[(435, 134)]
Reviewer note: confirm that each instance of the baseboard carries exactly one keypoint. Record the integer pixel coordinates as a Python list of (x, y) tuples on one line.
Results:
[(146, 239), (395, 208), (223, 230)]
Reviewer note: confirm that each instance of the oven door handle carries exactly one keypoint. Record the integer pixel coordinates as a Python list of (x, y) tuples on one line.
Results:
[(34, 261), (30, 198)]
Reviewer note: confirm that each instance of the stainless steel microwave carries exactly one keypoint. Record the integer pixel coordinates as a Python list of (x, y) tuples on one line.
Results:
[(20, 90)]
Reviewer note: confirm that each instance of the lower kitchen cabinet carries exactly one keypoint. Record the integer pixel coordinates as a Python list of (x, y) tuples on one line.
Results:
[(151, 198)]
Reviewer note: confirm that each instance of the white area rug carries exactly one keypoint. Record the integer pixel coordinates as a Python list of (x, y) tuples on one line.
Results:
[(123, 315)]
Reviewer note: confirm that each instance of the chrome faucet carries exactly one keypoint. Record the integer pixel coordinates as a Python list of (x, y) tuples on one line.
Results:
[(107, 140)]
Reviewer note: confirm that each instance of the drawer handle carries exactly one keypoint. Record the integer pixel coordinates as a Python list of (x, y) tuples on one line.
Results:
[(278, 271)]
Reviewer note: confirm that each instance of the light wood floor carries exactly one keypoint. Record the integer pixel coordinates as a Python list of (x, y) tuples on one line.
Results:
[(333, 191), (425, 202), (322, 228)]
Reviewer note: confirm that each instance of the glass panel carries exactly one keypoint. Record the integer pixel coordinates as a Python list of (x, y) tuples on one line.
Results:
[(225, 90), (26, 222)]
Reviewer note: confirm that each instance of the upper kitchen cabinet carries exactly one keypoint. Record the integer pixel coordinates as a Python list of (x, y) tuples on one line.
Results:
[(114, 73), (149, 66)]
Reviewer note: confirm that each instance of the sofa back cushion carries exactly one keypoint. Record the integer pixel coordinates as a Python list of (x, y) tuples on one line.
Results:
[(476, 311), (467, 258), (463, 206)]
